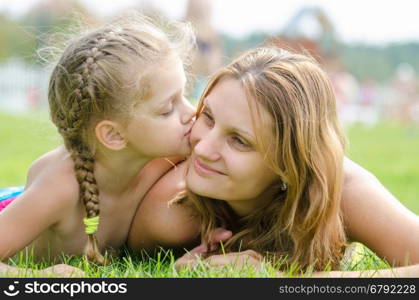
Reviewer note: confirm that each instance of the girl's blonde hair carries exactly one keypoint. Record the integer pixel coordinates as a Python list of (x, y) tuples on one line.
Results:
[(304, 146), (102, 74)]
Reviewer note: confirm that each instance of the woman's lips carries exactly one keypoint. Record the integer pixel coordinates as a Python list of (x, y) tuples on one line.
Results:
[(204, 169)]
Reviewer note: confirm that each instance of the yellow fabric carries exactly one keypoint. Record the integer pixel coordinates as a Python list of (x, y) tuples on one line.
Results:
[(353, 257), (91, 224)]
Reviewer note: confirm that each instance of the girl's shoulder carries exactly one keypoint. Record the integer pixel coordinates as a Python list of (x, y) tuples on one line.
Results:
[(53, 174), (57, 162)]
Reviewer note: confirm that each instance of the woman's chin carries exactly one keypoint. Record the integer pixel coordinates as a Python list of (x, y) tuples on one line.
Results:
[(199, 186)]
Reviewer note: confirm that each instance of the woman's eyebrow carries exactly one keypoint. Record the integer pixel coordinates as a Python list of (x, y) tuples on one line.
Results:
[(242, 132), (232, 128)]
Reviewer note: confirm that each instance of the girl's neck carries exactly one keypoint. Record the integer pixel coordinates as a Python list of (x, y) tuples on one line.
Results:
[(118, 172)]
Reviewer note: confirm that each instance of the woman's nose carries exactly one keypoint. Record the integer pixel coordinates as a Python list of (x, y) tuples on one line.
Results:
[(207, 147)]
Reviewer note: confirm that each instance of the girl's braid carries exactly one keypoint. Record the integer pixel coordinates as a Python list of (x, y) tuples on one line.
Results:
[(71, 125)]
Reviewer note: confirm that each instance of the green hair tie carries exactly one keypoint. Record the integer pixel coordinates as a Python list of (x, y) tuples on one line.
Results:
[(91, 224)]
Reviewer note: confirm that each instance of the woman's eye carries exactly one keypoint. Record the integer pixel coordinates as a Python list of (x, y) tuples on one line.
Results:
[(240, 143), (209, 119)]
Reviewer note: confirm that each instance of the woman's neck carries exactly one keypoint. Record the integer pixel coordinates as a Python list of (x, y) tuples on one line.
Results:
[(244, 208)]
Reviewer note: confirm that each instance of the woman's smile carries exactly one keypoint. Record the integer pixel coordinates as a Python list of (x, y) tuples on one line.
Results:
[(203, 169)]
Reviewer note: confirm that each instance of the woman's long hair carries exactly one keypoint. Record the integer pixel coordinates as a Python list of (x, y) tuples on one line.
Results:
[(304, 146)]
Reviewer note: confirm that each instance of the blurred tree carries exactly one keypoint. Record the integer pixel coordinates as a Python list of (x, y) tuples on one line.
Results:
[(379, 62), (23, 37), (51, 16), (234, 46), (15, 40)]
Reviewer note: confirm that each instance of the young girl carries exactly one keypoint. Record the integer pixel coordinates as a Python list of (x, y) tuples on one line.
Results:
[(116, 98), (268, 164)]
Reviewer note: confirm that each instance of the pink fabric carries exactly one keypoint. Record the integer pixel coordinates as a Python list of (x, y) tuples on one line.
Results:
[(5, 203)]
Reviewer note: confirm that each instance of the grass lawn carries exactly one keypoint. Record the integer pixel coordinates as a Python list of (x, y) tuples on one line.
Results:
[(390, 151), (23, 139)]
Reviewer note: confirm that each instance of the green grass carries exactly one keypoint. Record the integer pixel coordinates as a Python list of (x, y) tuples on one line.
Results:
[(23, 139), (390, 151), (162, 266)]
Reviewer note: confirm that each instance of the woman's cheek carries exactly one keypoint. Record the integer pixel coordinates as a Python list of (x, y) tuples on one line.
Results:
[(241, 166), (196, 132), (234, 165)]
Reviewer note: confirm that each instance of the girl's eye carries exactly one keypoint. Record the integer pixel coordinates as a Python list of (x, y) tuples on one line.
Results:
[(169, 112)]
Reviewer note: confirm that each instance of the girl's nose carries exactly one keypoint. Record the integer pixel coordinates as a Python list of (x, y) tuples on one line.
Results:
[(189, 112)]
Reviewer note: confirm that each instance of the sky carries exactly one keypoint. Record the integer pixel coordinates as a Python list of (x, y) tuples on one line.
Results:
[(367, 21)]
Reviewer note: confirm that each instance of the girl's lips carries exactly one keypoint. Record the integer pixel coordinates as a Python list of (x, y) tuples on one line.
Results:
[(203, 169)]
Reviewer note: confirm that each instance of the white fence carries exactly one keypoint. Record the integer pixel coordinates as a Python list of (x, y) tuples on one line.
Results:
[(22, 87)]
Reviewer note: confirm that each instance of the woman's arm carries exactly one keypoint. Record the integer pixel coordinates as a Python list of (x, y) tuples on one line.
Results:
[(409, 271), (374, 217), (251, 258)]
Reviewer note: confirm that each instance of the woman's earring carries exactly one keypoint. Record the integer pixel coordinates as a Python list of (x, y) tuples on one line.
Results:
[(283, 186)]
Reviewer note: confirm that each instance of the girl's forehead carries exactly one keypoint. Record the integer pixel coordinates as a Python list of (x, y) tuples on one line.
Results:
[(166, 79)]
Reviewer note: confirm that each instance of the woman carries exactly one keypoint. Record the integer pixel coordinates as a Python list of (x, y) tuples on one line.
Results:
[(268, 164)]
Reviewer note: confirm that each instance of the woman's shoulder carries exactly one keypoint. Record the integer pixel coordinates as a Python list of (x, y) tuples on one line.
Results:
[(160, 172), (169, 183), (354, 174), (367, 207)]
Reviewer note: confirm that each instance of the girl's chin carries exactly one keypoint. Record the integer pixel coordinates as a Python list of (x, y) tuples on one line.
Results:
[(185, 150)]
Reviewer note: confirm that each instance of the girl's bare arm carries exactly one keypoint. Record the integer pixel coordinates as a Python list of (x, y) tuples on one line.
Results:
[(45, 201)]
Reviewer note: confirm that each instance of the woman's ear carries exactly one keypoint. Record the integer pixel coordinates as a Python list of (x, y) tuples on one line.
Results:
[(109, 134)]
